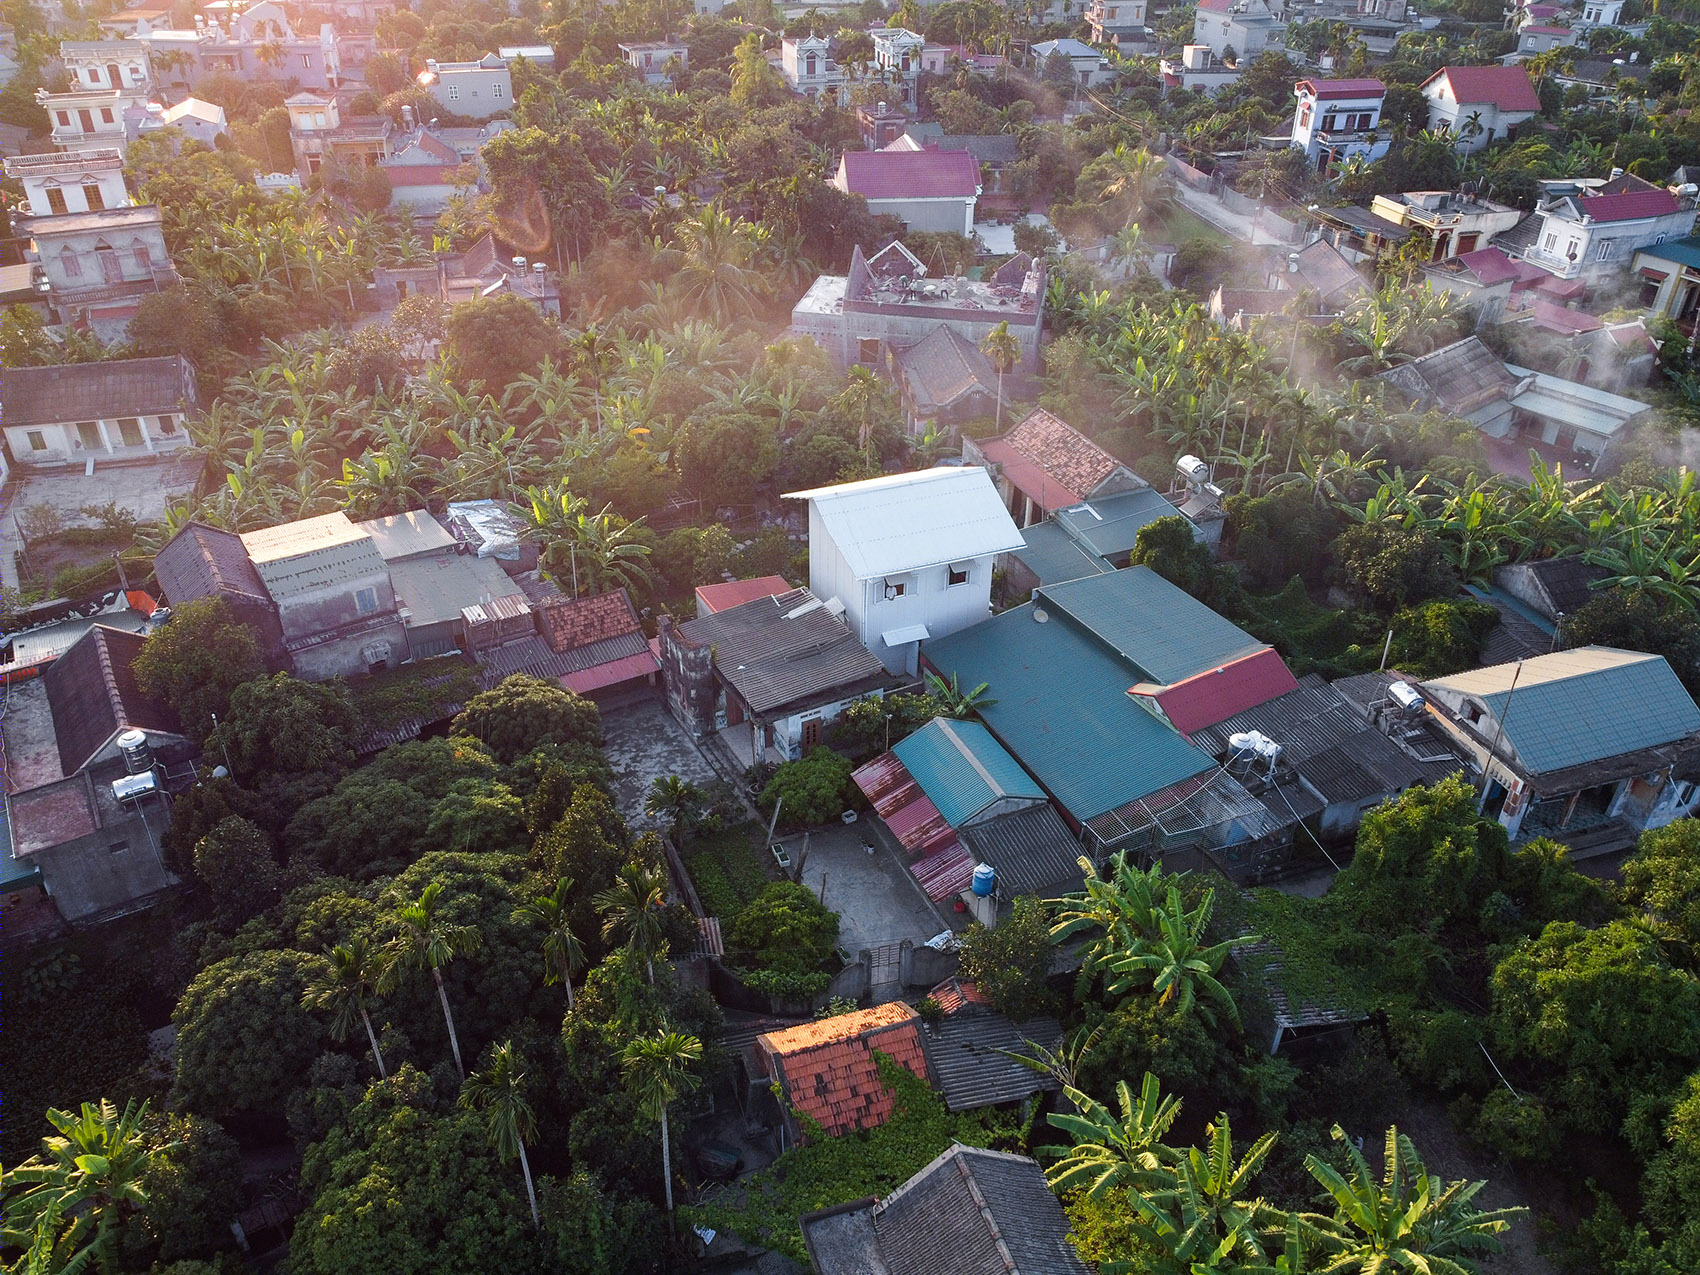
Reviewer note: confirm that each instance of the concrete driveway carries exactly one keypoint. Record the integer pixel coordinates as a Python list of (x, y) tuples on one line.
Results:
[(645, 743), (877, 900)]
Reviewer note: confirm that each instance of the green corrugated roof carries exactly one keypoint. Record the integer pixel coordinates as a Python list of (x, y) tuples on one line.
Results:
[(1684, 252), (1063, 709), (1109, 525), (1582, 705), (962, 769), (1163, 631), (1054, 557)]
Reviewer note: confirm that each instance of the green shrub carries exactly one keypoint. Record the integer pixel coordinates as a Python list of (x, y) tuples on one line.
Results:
[(1517, 1127), (812, 790)]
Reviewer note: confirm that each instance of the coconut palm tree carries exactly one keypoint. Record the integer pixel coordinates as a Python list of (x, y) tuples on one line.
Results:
[(1409, 1221), (424, 939), (1004, 350), (563, 954), (632, 907), (341, 986), (1111, 1152), (69, 1202), (1176, 959), (658, 1069), (499, 1092)]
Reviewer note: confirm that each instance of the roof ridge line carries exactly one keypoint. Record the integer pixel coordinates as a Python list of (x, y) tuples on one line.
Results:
[(979, 1197), (968, 756)]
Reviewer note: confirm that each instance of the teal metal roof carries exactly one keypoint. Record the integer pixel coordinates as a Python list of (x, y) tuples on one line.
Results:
[(1165, 633), (1063, 709), (962, 769), (1109, 525), (1583, 705), (1684, 252), (1053, 556)]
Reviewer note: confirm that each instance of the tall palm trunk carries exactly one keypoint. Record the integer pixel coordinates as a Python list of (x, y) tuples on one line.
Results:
[(568, 980), (373, 1037), (998, 427), (454, 1040), (530, 1191), (666, 1163)]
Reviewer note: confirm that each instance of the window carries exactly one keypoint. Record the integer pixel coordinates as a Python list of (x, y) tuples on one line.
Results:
[(56, 201), (167, 426), (1551, 243), (895, 589), (809, 65), (1328, 123), (38, 441), (1304, 115), (454, 92), (69, 265), (91, 192), (144, 259), (130, 431), (94, 75), (365, 601), (306, 61), (812, 732), (496, 91), (958, 575), (64, 118), (868, 350), (1603, 251), (106, 115)]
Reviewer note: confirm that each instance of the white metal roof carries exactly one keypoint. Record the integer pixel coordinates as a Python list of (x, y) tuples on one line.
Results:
[(903, 522), (408, 535), (271, 544)]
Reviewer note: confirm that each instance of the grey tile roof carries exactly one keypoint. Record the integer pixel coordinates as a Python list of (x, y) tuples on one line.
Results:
[(96, 391), (775, 652), (1032, 850), (1522, 235), (1459, 377), (93, 695), (1565, 584), (963, 1053), (207, 562), (943, 367), (535, 656)]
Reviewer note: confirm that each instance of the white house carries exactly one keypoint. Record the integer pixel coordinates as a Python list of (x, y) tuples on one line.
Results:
[(87, 118), (478, 89), (1113, 21), (908, 556), (807, 65), (1602, 13), (1479, 103), (929, 189), (131, 409), (1198, 70), (1455, 222), (1247, 27), (80, 182), (203, 121), (1337, 119), (651, 58), (1585, 235), (1543, 38), (897, 56), (1090, 66), (106, 64)]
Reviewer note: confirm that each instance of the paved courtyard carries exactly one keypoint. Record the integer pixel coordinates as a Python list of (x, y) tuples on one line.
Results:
[(876, 899), (645, 743)]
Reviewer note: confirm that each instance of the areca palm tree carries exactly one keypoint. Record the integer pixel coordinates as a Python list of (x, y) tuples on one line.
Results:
[(1113, 1152), (425, 939), (563, 954), (658, 1068), (1004, 350), (631, 907), (68, 1202), (677, 800), (1409, 1221), (1176, 959), (499, 1092), (342, 985)]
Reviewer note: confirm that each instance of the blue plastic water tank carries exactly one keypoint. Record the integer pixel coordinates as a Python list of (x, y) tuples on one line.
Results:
[(984, 879)]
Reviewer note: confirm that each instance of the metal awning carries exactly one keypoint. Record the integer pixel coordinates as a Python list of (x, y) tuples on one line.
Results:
[(908, 633)]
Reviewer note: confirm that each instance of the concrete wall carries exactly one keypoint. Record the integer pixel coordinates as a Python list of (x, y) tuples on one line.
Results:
[(478, 93), (64, 444), (92, 260), (955, 215), (687, 675), (349, 655)]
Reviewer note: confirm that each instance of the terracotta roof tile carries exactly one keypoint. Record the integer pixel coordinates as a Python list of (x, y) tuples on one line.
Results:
[(573, 623), (828, 1067), (1065, 456)]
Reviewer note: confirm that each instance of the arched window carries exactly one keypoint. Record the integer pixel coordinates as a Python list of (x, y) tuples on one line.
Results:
[(70, 265), (144, 259), (111, 269)]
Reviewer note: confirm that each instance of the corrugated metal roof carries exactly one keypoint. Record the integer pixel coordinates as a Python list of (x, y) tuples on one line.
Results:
[(1032, 851), (435, 590), (534, 656), (903, 522), (731, 593), (963, 1050), (1110, 525), (305, 535), (408, 535), (782, 650), (1063, 709), (1162, 630), (1052, 554), (1305, 722), (963, 769), (625, 669), (1573, 707), (1221, 692)]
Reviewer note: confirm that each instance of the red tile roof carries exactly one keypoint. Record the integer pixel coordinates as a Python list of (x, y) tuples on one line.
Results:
[(954, 994), (828, 1068), (722, 597), (1221, 693), (1323, 90), (1490, 265), (1506, 87), (1050, 461), (572, 623), (910, 174), (1556, 318), (1629, 205)]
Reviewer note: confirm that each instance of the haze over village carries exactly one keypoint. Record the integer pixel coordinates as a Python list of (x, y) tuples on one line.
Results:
[(999, 637)]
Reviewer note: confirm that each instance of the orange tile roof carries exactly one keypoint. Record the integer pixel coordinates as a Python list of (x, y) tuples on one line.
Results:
[(573, 623), (828, 1067), (955, 993)]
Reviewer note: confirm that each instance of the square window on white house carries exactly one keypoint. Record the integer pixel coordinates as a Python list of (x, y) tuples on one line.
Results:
[(106, 115), (496, 91), (958, 574), (454, 92), (307, 61), (167, 425), (365, 601), (1551, 243), (64, 118), (38, 440)]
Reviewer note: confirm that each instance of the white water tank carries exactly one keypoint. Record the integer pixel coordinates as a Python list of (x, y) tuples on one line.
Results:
[(134, 748), (1406, 696)]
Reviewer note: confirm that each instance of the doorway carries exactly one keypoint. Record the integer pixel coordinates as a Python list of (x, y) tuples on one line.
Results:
[(88, 434)]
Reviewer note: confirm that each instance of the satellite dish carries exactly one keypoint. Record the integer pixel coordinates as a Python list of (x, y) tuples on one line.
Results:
[(1040, 615)]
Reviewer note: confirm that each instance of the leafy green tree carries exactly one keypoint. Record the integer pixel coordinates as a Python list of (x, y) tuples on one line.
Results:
[(193, 1185), (499, 1092), (476, 814), (1112, 1153), (423, 939), (1168, 547), (787, 934), (1011, 961), (342, 987), (291, 740), (1177, 960), (563, 954), (197, 661), (234, 861), (1639, 620), (66, 1206), (1001, 346), (1441, 636), (677, 800), (495, 340), (754, 82), (1408, 1221), (243, 1040), (658, 1068), (23, 338), (632, 907), (1391, 566), (590, 1230), (810, 791), (1662, 881), (524, 712)]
